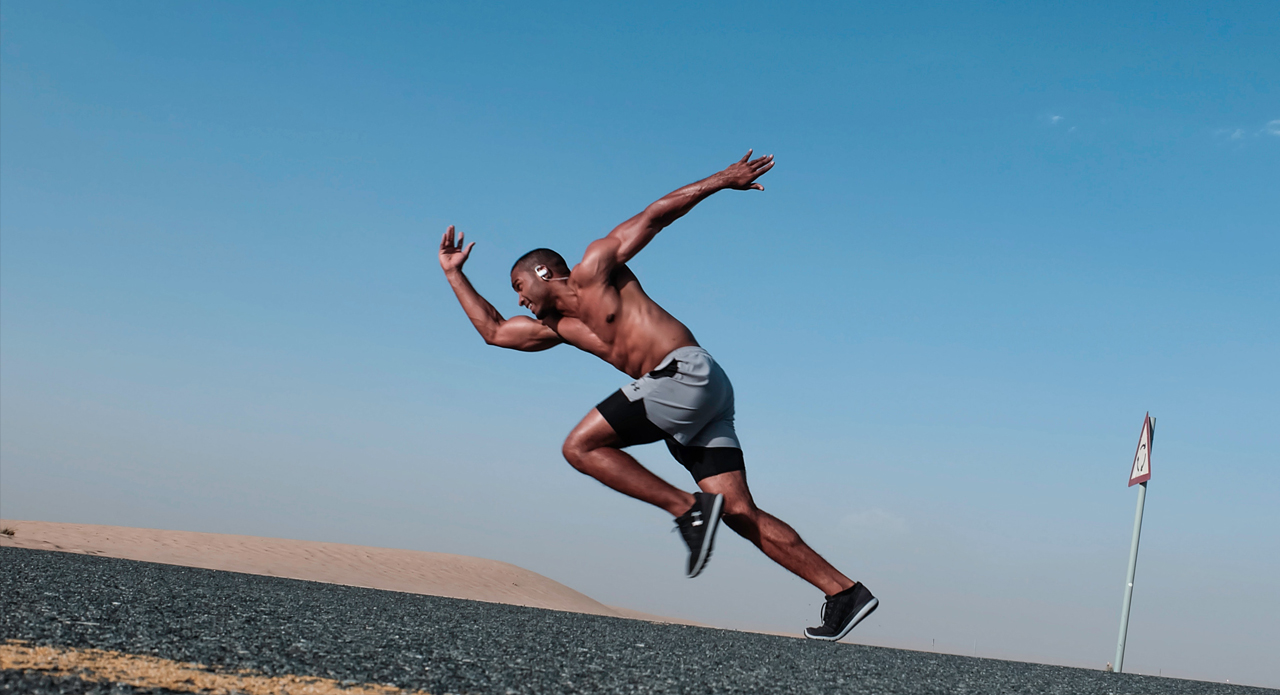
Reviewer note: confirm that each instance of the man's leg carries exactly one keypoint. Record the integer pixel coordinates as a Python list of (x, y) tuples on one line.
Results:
[(771, 535), (592, 449)]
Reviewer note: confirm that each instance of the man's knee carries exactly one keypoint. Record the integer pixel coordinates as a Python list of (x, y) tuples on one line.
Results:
[(740, 510), (590, 434), (573, 450), (577, 449)]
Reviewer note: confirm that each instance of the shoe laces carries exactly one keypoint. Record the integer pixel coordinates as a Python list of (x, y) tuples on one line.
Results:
[(687, 524), (692, 519), (827, 608)]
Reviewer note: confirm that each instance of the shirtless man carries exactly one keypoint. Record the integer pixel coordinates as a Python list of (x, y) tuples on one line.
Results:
[(680, 395)]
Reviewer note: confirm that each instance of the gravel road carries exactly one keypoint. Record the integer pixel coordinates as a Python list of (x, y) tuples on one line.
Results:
[(283, 626)]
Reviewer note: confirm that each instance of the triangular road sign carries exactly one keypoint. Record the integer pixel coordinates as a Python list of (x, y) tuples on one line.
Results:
[(1141, 471)]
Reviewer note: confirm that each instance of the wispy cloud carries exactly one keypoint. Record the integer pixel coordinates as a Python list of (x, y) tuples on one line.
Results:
[(1238, 134), (1050, 119)]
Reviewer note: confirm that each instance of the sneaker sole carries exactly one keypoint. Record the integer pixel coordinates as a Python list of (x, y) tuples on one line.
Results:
[(858, 617), (708, 540)]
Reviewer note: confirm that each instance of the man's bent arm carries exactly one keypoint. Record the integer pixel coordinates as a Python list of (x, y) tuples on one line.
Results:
[(628, 238), (516, 333)]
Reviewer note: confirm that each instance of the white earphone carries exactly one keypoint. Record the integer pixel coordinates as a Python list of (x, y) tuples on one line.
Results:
[(544, 273)]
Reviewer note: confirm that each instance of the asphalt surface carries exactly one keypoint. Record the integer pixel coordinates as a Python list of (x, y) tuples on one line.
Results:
[(440, 645)]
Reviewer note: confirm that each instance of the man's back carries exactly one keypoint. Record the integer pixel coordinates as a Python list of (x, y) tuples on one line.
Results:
[(611, 317), (599, 306)]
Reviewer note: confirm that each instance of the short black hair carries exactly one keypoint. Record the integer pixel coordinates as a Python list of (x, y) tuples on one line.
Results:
[(546, 257)]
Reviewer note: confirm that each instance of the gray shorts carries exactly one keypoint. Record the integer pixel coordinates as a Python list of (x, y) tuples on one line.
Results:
[(686, 401)]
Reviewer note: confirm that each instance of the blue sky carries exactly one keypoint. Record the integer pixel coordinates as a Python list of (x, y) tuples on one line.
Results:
[(995, 237)]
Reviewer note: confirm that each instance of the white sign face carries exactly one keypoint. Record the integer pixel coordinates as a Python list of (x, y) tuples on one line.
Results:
[(1141, 471)]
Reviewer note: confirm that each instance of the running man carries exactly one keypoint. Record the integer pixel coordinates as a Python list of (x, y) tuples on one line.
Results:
[(679, 396)]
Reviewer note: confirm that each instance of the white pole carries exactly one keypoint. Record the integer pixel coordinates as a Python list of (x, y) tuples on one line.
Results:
[(1128, 587), (1133, 557)]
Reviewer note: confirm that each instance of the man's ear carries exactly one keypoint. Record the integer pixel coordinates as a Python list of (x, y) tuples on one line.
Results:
[(544, 273)]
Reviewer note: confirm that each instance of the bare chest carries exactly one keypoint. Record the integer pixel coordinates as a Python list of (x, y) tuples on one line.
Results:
[(598, 335)]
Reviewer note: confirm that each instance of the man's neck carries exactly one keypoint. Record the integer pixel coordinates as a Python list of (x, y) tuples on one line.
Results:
[(567, 303)]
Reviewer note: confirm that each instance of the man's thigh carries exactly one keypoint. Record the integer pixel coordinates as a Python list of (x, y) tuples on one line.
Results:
[(628, 420), (593, 432), (705, 462)]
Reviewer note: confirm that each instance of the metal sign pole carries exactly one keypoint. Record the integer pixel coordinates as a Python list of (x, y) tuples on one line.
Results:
[(1140, 473), (1128, 587)]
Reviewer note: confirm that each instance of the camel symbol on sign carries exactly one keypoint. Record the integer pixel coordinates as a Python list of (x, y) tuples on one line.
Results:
[(1141, 471)]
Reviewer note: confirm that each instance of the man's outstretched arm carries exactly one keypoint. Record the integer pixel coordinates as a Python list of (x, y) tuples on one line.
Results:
[(516, 333), (626, 240)]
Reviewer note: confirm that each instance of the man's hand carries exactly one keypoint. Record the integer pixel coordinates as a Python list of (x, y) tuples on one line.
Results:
[(741, 175), (452, 257)]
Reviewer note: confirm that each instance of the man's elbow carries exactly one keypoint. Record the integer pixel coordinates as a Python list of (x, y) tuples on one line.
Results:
[(497, 339), (490, 335), (660, 215)]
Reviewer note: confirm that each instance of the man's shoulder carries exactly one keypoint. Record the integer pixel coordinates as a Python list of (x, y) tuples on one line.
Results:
[(599, 260), (584, 275)]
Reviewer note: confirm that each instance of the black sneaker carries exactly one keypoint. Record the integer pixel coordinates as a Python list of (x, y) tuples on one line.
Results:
[(842, 611), (698, 527)]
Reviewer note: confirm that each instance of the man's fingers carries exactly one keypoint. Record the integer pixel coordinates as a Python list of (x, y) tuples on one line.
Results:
[(757, 187), (444, 241), (763, 169), (468, 251), (461, 235), (746, 156)]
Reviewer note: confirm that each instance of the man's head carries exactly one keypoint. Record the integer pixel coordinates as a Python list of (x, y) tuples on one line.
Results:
[(535, 277)]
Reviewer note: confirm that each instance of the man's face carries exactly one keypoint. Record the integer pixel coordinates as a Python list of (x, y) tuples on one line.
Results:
[(534, 294)]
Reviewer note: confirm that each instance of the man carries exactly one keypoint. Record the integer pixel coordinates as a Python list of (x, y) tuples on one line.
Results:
[(680, 395)]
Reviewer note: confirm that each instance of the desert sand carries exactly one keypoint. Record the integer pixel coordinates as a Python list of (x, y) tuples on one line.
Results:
[(412, 571)]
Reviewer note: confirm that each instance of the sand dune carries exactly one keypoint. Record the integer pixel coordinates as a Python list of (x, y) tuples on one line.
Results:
[(412, 571)]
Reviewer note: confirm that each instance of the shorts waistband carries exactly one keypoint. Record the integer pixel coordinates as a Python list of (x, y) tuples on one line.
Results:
[(682, 353)]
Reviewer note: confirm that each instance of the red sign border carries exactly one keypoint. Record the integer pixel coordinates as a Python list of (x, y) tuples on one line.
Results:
[(1151, 439)]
